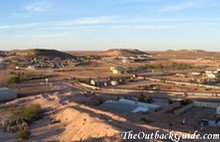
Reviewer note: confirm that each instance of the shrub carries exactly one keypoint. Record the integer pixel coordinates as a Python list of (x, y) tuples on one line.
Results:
[(14, 79), (28, 113), (23, 134), (87, 81), (180, 66), (149, 99), (154, 66), (141, 98), (186, 102), (146, 120), (32, 112)]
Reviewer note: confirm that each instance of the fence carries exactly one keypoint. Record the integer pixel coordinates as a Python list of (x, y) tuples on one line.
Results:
[(183, 109), (196, 104)]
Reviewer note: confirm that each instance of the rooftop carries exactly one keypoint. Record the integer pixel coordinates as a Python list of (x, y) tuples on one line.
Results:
[(121, 107)]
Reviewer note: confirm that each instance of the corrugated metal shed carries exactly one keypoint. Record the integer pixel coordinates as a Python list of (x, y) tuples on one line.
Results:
[(7, 94), (121, 107), (153, 107)]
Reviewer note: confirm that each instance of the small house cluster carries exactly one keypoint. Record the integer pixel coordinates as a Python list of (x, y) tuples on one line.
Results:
[(205, 77), (213, 74), (128, 59), (42, 62), (100, 82)]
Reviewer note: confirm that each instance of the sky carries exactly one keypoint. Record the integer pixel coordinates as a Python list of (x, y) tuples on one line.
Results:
[(149, 25)]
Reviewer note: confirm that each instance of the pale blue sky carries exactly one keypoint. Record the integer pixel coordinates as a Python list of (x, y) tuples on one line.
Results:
[(105, 24)]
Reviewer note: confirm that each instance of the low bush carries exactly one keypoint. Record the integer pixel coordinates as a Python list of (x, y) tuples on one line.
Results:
[(144, 99), (28, 113), (186, 102), (14, 79), (141, 98), (23, 134), (180, 66)]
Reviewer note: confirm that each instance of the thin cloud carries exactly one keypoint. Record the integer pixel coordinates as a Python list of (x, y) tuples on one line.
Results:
[(4, 27), (62, 23), (20, 15), (40, 6), (86, 21), (180, 6), (110, 23)]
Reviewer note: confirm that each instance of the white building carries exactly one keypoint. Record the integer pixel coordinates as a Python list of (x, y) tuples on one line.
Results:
[(7, 94), (114, 83)]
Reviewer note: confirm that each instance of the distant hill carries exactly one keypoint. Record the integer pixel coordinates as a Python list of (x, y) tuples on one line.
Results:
[(43, 52), (188, 54), (121, 52)]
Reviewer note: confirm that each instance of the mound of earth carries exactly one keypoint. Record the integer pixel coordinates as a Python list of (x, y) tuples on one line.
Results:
[(43, 52), (121, 52), (82, 126)]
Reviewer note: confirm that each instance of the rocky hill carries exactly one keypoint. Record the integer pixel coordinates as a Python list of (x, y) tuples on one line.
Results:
[(121, 52), (42, 52)]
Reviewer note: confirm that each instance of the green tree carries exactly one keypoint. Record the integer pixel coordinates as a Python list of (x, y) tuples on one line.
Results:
[(142, 98)]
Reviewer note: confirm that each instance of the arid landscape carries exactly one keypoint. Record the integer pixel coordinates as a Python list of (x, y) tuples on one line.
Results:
[(97, 95), (109, 70)]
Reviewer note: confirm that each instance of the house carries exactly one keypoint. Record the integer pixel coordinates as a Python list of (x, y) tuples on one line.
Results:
[(7, 94), (117, 70), (123, 107), (99, 82)]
